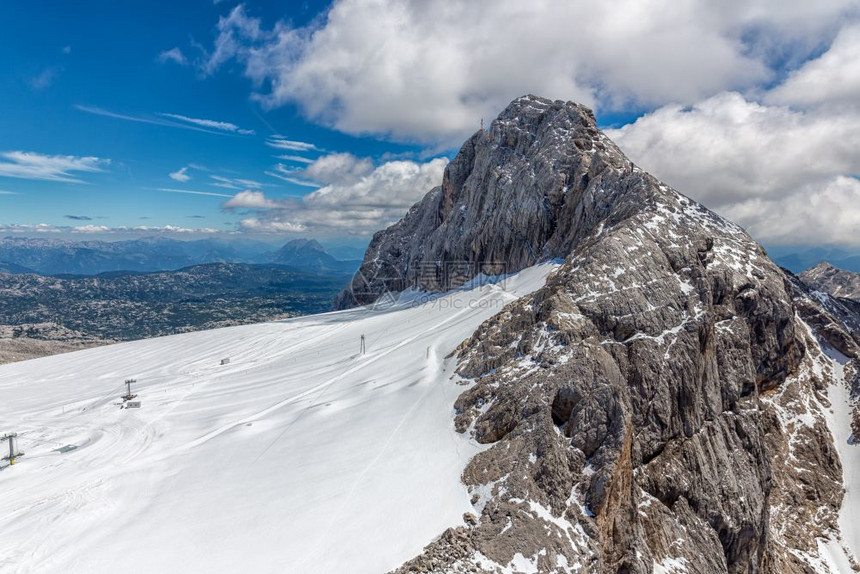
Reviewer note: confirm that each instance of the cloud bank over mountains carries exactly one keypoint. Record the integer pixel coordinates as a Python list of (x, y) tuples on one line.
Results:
[(354, 197), (750, 107)]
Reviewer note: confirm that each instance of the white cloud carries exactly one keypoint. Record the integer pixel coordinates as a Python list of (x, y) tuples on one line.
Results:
[(819, 213), (211, 124), (757, 164), (31, 165), (166, 229), (833, 78), (429, 70), (357, 201), (280, 142), (255, 225), (174, 55), (134, 231), (181, 175), (338, 168), (249, 200), (90, 229), (28, 228)]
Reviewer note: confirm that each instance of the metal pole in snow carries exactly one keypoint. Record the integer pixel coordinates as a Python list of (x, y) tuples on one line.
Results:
[(11, 438), (128, 396)]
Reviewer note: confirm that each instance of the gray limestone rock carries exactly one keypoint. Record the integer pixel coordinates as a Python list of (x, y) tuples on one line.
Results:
[(833, 281), (641, 409)]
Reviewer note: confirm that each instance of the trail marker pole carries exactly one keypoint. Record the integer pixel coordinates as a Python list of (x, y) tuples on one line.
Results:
[(363, 347)]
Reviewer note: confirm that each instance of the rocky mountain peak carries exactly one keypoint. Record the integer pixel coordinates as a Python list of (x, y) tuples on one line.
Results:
[(836, 282), (540, 179), (660, 404), (310, 244), (300, 247)]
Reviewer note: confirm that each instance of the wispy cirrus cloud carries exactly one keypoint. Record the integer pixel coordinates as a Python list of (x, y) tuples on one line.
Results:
[(210, 124), (155, 121), (295, 158), (45, 78), (290, 175), (280, 142), (32, 165), (193, 192), (174, 55), (235, 183), (170, 121)]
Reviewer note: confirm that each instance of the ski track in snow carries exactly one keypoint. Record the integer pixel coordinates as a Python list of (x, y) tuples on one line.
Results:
[(300, 455)]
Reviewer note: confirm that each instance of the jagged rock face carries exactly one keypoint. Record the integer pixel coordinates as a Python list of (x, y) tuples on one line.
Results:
[(833, 281), (519, 193), (647, 351), (658, 405)]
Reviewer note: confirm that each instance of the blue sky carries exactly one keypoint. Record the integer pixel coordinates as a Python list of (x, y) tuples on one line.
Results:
[(274, 120), (65, 88)]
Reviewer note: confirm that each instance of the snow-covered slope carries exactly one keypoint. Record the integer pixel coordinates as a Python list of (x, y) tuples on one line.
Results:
[(839, 423), (300, 455)]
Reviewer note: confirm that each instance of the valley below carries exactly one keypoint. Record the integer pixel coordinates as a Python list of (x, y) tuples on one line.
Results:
[(44, 315)]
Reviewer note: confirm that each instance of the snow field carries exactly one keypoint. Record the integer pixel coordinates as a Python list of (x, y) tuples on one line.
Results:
[(300, 455)]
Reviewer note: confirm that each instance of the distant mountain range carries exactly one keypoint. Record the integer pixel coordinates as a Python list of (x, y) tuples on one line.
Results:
[(59, 257), (797, 259), (57, 296)]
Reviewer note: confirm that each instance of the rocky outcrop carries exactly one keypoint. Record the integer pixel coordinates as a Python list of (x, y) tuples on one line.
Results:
[(660, 405), (833, 281)]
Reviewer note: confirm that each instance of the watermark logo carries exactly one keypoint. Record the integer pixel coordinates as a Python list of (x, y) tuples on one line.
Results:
[(441, 276), (383, 285), (377, 286)]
